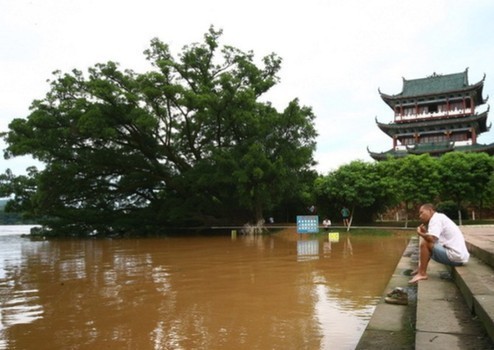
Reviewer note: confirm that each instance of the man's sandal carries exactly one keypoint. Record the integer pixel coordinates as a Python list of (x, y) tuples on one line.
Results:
[(397, 296)]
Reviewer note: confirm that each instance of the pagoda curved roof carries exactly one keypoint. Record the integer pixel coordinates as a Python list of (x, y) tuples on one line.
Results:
[(387, 154), (432, 149), (479, 121), (436, 84)]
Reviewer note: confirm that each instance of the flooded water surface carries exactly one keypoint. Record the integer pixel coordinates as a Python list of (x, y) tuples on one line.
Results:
[(278, 291)]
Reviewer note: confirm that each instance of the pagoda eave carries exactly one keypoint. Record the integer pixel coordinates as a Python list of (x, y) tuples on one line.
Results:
[(387, 154), (479, 121), (434, 151), (430, 88)]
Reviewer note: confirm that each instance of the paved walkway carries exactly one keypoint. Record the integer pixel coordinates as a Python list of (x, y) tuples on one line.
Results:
[(480, 242), (480, 233), (453, 309)]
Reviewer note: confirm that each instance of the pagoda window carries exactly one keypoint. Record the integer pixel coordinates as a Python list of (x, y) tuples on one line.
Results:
[(433, 138), (433, 109), (423, 109), (408, 141), (397, 111), (456, 106), (408, 111), (459, 137)]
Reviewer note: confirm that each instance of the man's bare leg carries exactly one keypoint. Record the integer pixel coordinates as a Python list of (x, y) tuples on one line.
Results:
[(424, 257)]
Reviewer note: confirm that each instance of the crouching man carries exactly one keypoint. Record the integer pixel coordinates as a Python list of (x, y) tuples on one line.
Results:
[(440, 239)]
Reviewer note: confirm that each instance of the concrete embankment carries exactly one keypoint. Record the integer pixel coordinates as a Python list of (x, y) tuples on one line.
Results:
[(452, 309)]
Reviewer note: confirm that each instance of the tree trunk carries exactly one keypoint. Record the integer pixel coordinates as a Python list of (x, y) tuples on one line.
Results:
[(351, 219)]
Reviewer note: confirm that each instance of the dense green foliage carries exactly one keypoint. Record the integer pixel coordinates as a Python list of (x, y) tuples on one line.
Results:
[(187, 143), (8, 218), (190, 143), (357, 185), (370, 188)]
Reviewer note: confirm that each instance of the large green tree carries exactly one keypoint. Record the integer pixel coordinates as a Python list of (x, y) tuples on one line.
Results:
[(415, 179), (188, 142), (466, 178), (482, 169), (358, 185)]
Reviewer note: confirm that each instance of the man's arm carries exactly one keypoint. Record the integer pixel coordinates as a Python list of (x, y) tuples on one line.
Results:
[(422, 232)]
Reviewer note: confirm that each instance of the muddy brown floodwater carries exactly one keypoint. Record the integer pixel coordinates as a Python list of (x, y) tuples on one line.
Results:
[(278, 291)]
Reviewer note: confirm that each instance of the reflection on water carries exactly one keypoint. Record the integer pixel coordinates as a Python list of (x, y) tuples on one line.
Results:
[(282, 291), (308, 250)]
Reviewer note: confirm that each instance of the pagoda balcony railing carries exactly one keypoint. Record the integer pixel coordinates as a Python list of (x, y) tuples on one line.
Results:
[(424, 116), (455, 144)]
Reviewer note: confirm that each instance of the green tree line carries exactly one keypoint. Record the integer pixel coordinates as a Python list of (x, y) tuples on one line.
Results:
[(461, 179), (193, 142)]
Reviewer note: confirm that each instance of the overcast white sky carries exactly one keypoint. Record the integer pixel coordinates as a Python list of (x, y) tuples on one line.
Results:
[(336, 54)]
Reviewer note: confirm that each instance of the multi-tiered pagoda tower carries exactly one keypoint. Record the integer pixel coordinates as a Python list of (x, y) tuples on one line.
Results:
[(435, 115)]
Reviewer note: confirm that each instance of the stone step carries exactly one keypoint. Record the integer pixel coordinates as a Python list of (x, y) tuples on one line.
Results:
[(393, 326), (475, 281), (453, 309), (464, 310), (480, 242), (444, 319)]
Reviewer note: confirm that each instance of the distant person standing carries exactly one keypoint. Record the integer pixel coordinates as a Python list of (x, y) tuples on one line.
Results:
[(312, 209), (345, 214)]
